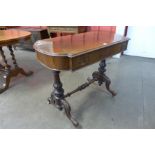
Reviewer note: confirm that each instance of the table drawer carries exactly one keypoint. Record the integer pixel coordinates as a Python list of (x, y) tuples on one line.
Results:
[(80, 61)]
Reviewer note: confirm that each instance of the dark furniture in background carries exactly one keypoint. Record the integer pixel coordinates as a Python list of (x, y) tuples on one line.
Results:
[(56, 31), (37, 33)]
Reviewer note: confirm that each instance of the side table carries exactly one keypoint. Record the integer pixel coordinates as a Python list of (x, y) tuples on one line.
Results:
[(9, 38)]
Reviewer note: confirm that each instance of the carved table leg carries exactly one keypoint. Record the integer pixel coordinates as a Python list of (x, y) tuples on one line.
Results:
[(104, 78), (8, 72), (17, 68), (57, 98)]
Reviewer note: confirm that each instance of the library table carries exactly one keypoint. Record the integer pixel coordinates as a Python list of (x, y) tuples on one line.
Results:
[(74, 52), (8, 38)]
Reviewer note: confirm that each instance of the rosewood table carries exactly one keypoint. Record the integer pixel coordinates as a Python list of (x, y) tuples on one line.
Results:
[(74, 52), (9, 38)]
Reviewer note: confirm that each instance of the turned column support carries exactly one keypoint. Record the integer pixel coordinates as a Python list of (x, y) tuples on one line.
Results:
[(13, 56), (102, 77), (58, 91), (7, 72), (6, 65), (58, 100)]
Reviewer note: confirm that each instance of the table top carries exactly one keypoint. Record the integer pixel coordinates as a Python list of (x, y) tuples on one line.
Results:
[(12, 36), (77, 44)]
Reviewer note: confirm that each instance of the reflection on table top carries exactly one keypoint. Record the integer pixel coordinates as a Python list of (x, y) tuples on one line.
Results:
[(76, 44), (12, 35)]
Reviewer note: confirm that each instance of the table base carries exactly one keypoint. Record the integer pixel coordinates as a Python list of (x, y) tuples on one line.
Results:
[(58, 98), (7, 72)]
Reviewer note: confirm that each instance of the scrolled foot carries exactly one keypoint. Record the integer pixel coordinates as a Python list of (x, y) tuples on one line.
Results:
[(64, 105), (107, 84), (56, 103), (25, 73), (67, 109)]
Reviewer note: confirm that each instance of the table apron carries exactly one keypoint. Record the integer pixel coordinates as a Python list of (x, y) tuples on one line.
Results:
[(61, 63), (96, 55)]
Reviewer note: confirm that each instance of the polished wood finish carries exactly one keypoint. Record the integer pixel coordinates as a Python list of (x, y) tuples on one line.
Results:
[(74, 52), (9, 38), (37, 33)]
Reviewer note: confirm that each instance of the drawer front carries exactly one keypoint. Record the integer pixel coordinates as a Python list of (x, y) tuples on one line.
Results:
[(96, 55), (80, 61)]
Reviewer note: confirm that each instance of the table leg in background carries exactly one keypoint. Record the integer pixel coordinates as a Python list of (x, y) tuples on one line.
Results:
[(8, 73)]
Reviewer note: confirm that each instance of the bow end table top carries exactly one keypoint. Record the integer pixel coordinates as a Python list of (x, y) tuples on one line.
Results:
[(75, 51)]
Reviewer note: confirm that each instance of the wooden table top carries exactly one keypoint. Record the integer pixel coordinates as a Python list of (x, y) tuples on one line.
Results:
[(72, 45), (75, 51), (12, 36)]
